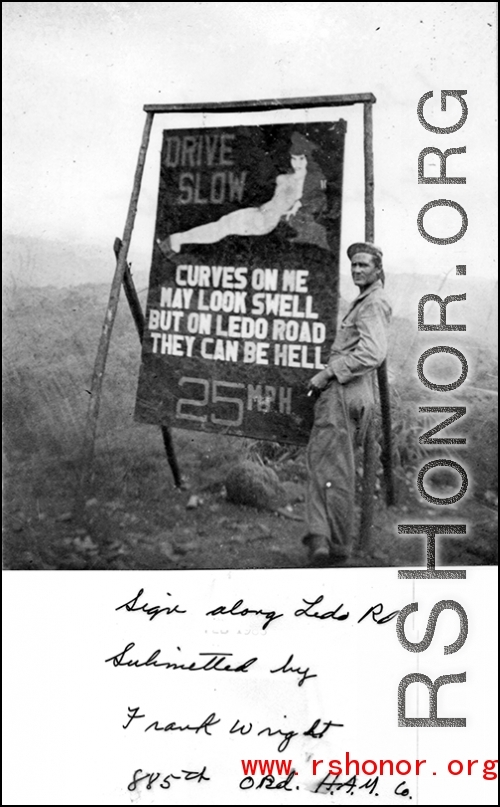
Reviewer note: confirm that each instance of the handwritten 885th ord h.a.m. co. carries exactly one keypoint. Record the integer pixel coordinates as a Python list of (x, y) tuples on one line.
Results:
[(433, 530)]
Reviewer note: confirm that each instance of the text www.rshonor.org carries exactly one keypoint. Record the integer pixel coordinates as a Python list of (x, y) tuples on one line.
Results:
[(369, 767)]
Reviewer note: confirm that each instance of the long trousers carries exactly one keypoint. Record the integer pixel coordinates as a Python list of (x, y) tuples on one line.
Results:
[(341, 416)]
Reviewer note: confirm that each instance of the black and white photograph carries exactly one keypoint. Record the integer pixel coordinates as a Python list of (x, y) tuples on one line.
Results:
[(250, 381)]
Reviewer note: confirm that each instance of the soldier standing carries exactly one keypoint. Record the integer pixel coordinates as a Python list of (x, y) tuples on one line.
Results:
[(343, 410)]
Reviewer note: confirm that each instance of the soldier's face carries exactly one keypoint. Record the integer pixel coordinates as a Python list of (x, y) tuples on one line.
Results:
[(363, 269), (298, 161)]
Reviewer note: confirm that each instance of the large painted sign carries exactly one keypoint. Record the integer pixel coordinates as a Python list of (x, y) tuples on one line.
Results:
[(243, 292)]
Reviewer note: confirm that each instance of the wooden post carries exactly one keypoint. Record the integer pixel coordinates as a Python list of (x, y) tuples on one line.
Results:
[(367, 502), (171, 457), (369, 174), (131, 293), (222, 107), (140, 324), (369, 458), (385, 406), (103, 347), (383, 383), (368, 487)]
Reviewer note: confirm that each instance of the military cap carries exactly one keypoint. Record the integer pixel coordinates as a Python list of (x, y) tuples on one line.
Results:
[(367, 246), (301, 145)]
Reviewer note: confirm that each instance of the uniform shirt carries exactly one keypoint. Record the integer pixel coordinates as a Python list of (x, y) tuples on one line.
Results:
[(361, 342)]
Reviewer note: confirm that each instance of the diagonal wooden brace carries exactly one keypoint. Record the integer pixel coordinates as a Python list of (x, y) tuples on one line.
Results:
[(140, 324)]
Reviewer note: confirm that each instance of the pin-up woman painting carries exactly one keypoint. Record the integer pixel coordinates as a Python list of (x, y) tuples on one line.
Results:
[(299, 199)]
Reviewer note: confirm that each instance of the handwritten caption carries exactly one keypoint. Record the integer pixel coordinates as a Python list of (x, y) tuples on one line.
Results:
[(223, 661), (344, 774)]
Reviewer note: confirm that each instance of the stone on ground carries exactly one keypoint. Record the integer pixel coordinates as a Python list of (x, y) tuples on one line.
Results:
[(253, 484)]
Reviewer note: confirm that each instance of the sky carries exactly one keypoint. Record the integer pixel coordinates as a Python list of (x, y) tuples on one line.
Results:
[(77, 74)]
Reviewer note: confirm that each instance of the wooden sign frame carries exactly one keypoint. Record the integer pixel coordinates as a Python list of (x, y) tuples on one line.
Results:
[(122, 276)]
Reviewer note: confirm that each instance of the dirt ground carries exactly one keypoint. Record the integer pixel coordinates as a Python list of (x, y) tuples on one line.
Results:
[(134, 517)]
